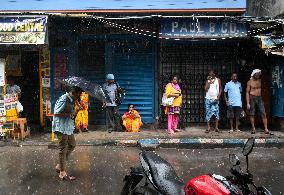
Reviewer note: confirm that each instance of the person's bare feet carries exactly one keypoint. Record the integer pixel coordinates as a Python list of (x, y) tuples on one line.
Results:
[(268, 132), (172, 133), (63, 176), (253, 131)]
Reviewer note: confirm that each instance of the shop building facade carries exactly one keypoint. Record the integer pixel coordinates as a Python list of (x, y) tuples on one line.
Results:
[(25, 53), (143, 52), (142, 64)]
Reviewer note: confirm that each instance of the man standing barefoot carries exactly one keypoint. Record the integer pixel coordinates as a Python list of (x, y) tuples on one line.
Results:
[(254, 99)]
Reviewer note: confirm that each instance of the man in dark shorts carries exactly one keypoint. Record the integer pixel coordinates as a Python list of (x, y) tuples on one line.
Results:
[(254, 99), (113, 122), (234, 101)]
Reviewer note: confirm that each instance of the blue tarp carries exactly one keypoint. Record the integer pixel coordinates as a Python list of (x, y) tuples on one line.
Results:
[(119, 4)]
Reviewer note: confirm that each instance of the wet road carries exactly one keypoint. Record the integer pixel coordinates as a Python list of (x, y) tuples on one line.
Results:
[(100, 170)]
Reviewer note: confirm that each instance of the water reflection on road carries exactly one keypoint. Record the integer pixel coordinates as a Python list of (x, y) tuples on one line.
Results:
[(100, 170)]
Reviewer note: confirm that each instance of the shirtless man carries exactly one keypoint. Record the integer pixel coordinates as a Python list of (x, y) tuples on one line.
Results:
[(254, 99)]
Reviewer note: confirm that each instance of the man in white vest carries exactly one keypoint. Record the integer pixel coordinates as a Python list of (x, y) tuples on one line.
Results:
[(213, 91)]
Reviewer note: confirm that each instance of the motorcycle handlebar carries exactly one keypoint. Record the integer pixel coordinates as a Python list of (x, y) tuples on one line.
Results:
[(237, 171), (243, 179)]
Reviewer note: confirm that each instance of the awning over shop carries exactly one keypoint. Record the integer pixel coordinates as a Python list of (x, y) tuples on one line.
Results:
[(271, 42), (122, 5), (273, 45), (23, 29)]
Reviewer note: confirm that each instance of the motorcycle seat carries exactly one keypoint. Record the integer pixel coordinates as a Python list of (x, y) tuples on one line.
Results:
[(163, 174)]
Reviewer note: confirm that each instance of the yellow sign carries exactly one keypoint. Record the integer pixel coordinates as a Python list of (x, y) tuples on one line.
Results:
[(23, 30)]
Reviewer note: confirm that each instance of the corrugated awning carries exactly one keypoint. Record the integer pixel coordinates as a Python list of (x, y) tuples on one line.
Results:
[(123, 6)]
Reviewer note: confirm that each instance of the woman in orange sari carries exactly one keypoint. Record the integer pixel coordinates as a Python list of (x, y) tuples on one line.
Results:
[(82, 119), (131, 119)]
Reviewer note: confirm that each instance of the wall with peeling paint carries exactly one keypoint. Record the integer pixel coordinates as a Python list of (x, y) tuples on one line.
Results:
[(270, 8)]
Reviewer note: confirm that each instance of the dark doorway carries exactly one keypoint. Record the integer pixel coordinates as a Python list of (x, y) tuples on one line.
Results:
[(29, 83), (92, 66)]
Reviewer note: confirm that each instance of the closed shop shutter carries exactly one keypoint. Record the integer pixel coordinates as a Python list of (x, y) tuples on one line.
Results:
[(133, 65)]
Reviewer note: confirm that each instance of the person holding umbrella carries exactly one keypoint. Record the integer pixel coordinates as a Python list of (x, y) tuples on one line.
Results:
[(113, 121), (63, 127)]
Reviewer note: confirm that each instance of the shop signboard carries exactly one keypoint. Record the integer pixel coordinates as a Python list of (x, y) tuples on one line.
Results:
[(202, 28), (23, 30)]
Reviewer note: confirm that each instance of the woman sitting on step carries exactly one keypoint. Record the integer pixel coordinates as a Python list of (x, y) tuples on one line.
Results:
[(131, 119)]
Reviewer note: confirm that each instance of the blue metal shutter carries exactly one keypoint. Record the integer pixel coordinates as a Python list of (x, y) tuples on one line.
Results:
[(133, 65)]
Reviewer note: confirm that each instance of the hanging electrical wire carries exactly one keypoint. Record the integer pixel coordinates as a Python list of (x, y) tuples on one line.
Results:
[(154, 34)]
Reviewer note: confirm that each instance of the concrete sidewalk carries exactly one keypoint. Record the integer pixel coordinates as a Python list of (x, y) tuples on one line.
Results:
[(194, 137)]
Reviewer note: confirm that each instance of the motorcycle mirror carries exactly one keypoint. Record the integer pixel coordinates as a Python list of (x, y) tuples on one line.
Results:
[(247, 149), (234, 159)]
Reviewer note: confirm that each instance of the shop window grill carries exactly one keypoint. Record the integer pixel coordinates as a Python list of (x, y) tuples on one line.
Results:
[(191, 62)]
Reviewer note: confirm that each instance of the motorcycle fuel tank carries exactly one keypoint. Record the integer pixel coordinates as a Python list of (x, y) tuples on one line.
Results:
[(205, 185)]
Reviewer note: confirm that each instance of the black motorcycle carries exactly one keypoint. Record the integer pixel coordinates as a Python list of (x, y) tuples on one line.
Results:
[(157, 177), (244, 180)]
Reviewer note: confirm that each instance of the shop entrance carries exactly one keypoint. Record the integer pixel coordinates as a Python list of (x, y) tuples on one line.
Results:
[(191, 61), (131, 60), (23, 67), (29, 83)]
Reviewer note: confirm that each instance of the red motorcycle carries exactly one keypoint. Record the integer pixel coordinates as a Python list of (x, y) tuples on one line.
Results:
[(157, 177)]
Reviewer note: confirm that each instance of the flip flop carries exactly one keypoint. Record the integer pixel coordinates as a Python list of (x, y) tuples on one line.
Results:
[(71, 177), (253, 132), (268, 133), (66, 178), (207, 131), (177, 130), (217, 130), (238, 130)]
